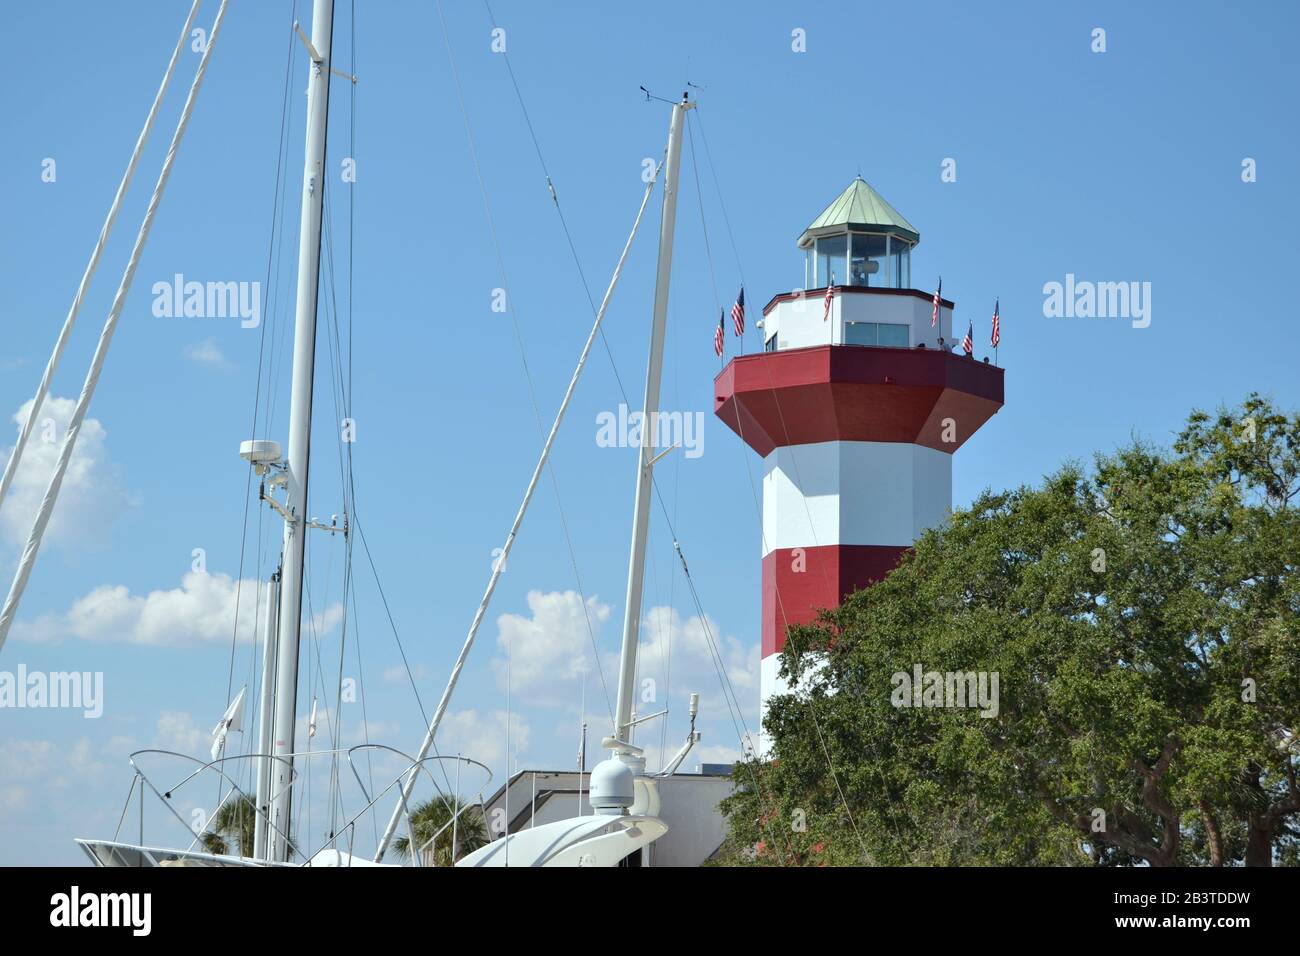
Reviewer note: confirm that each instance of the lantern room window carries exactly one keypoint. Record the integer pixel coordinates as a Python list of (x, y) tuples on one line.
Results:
[(831, 260), (869, 260), (865, 259)]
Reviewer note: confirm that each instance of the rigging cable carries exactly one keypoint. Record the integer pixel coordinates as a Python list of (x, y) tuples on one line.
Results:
[(276, 208), (523, 354)]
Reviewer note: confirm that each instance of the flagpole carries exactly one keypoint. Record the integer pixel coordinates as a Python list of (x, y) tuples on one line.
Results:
[(741, 336)]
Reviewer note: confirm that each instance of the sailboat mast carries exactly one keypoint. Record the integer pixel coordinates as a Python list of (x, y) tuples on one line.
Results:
[(650, 409), (298, 462), (265, 715)]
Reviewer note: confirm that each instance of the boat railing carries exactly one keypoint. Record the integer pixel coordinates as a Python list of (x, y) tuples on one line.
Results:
[(165, 794), (417, 850)]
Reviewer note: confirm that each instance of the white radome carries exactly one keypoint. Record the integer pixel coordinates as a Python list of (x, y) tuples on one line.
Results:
[(260, 451)]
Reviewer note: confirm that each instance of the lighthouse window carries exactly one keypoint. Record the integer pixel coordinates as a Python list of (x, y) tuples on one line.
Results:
[(868, 266), (832, 252), (900, 263), (859, 333), (888, 334), (894, 336)]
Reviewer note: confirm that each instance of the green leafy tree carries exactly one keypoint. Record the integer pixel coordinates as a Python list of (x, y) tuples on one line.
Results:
[(1143, 620), (232, 826), (432, 818)]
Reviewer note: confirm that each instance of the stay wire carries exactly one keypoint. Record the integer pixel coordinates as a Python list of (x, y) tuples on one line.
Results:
[(514, 320), (257, 391)]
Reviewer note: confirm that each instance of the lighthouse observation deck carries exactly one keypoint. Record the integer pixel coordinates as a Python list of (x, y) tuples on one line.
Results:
[(871, 369)]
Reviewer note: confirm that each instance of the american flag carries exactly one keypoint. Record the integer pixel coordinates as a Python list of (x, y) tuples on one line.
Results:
[(738, 312), (968, 343), (997, 326), (720, 336), (830, 288), (934, 313)]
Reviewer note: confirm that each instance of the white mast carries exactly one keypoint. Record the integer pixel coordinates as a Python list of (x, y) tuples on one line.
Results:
[(646, 456), (304, 364), (266, 715)]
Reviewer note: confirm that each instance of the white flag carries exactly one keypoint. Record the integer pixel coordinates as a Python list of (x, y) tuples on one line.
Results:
[(311, 723), (232, 719)]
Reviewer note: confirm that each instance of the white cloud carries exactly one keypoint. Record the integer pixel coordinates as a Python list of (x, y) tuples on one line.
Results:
[(679, 649), (27, 759), (48, 764), (320, 623), (549, 649), (177, 731), (82, 759), (202, 610), (482, 737), (91, 496), (397, 675), (351, 734), (207, 353), (693, 668), (717, 753)]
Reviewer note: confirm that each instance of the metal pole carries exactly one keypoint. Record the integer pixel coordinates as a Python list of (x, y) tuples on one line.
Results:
[(582, 764), (650, 412), (265, 715), (455, 815), (304, 362)]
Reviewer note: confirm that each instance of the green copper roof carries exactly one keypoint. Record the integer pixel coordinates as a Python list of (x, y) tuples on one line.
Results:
[(859, 207)]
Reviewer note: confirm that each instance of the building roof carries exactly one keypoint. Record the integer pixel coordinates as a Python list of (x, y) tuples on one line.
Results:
[(858, 207)]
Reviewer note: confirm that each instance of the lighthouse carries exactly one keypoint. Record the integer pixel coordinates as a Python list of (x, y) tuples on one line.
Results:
[(855, 406)]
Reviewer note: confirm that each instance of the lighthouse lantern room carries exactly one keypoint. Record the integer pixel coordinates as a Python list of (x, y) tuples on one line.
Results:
[(856, 405)]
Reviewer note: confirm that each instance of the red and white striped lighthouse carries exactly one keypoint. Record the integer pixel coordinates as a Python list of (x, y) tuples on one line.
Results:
[(855, 404)]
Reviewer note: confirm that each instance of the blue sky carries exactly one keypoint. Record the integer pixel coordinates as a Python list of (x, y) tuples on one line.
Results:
[(1117, 166)]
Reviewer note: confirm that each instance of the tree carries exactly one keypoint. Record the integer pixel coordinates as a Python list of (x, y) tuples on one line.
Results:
[(234, 822), (1143, 622), (432, 818)]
